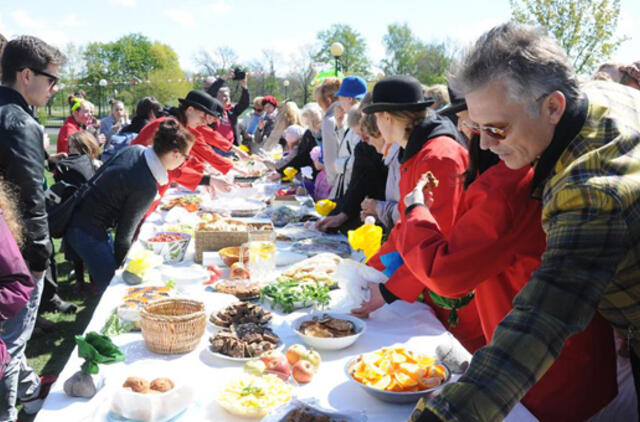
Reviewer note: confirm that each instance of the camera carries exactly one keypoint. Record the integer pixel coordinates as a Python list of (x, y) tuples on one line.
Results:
[(239, 74)]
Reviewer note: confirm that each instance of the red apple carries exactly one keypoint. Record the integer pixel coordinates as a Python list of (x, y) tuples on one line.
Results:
[(295, 353), (280, 368), (303, 371), (272, 355)]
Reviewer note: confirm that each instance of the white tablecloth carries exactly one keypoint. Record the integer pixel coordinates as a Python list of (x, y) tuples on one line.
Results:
[(412, 325)]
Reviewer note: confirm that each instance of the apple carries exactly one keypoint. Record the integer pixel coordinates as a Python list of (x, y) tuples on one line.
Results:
[(303, 371), (295, 353), (255, 367), (272, 355), (280, 368), (313, 357)]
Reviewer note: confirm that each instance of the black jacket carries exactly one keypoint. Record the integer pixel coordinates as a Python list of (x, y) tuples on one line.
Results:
[(118, 197), (301, 156), (368, 179), (235, 111), (22, 158)]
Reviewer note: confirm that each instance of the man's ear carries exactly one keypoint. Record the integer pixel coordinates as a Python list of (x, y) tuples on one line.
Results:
[(554, 106)]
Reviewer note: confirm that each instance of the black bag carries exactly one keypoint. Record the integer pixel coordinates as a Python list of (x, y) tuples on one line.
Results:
[(59, 214)]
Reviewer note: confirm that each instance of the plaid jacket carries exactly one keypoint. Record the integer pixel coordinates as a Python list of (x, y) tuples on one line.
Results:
[(591, 215)]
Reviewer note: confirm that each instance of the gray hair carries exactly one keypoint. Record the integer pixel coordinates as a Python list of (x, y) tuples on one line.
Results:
[(224, 89), (531, 64), (354, 115)]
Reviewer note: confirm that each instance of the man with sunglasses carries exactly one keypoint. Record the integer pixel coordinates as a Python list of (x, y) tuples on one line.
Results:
[(584, 144), (29, 79)]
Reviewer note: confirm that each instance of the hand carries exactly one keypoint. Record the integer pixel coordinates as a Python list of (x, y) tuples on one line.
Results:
[(55, 158), (417, 195), (331, 221), (273, 176), (375, 302), (364, 215), (369, 206), (261, 124), (220, 183), (101, 139)]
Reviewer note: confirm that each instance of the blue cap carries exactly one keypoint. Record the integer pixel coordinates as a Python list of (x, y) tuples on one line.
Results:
[(352, 87)]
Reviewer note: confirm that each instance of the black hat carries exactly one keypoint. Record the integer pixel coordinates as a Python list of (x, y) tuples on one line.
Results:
[(458, 103), (398, 93), (203, 101)]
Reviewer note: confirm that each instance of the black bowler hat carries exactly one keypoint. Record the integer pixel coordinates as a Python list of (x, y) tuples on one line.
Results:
[(203, 101), (395, 93), (458, 103)]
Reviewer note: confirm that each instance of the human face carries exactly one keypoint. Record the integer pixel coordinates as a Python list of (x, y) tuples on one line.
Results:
[(40, 86), (83, 114), (211, 119), (195, 117), (223, 97), (269, 108), (525, 137), (346, 103), (390, 128), (118, 111), (178, 158), (257, 111)]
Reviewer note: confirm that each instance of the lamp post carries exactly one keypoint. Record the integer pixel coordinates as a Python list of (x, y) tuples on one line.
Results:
[(285, 83), (102, 83), (336, 50)]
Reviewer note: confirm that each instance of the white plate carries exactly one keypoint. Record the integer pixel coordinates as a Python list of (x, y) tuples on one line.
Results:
[(284, 258), (225, 357), (184, 275), (329, 343)]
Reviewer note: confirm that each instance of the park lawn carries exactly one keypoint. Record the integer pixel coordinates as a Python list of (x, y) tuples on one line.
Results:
[(48, 353)]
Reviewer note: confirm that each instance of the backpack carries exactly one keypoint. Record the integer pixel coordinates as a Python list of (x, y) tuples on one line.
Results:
[(117, 143)]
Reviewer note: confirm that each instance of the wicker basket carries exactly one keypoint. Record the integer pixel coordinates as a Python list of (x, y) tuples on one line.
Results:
[(173, 325), (207, 241)]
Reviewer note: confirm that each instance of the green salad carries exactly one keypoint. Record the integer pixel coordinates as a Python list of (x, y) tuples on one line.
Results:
[(289, 294)]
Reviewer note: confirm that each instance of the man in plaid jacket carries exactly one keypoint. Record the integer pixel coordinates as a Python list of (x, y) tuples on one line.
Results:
[(584, 141)]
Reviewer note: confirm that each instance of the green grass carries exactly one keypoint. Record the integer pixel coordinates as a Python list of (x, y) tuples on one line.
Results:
[(48, 353)]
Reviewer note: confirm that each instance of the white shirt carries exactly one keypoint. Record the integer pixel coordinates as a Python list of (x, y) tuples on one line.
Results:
[(157, 169)]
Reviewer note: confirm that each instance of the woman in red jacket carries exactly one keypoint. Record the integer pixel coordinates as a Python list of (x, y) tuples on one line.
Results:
[(192, 113), (80, 115), (493, 247), (429, 143)]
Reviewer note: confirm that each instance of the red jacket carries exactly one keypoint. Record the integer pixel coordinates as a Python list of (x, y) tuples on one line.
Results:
[(69, 127), (214, 138), (493, 247), (447, 160)]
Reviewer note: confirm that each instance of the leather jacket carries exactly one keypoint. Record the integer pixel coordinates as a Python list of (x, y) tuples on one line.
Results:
[(22, 158)]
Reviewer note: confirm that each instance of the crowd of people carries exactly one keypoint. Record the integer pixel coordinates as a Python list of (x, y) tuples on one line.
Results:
[(512, 194)]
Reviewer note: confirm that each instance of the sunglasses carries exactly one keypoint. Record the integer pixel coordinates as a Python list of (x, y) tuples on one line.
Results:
[(257, 110), (53, 79), (492, 131)]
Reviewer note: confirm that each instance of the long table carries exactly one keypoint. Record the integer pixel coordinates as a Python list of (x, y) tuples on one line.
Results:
[(411, 325)]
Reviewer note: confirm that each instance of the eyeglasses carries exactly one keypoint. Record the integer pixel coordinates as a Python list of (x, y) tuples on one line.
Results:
[(53, 79), (494, 132)]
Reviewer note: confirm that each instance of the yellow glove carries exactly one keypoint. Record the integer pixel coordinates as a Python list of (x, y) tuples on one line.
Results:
[(325, 206), (289, 174), (367, 237)]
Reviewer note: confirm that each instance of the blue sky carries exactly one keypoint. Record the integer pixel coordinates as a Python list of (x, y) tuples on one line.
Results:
[(249, 26)]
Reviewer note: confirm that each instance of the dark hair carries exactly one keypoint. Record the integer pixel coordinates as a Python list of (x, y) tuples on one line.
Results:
[(479, 161), (147, 104), (8, 205), (170, 136), (3, 42), (27, 51)]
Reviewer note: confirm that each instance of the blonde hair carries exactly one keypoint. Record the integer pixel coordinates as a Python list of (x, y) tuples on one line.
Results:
[(288, 114), (8, 205), (86, 143), (440, 94), (326, 93), (312, 115), (257, 102)]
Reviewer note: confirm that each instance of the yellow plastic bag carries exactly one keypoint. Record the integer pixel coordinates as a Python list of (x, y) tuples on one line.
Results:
[(289, 174), (367, 237), (325, 206)]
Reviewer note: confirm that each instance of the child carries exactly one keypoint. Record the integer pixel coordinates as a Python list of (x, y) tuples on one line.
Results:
[(322, 187)]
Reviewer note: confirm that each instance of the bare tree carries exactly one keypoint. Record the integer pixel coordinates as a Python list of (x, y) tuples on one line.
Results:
[(303, 69), (216, 62)]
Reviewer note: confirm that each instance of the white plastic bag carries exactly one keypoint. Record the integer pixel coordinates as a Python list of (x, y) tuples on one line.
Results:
[(353, 277)]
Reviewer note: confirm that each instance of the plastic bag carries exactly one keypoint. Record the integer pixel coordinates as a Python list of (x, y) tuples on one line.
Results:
[(311, 405), (353, 277)]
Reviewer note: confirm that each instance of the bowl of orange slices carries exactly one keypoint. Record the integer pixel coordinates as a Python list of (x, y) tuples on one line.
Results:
[(397, 375)]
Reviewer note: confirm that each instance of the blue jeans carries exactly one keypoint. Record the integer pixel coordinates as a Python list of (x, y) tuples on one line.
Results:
[(94, 247), (20, 381)]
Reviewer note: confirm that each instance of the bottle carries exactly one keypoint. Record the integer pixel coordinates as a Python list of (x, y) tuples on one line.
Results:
[(367, 237)]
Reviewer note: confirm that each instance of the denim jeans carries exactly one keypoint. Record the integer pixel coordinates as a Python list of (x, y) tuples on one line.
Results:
[(20, 380), (94, 247)]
